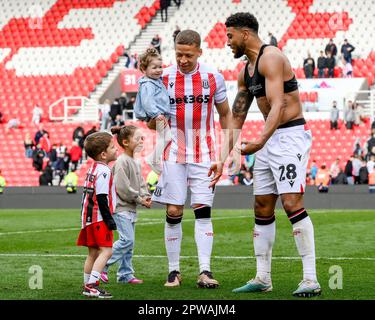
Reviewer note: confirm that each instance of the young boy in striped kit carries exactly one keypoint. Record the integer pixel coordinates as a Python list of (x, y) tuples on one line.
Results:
[(98, 203)]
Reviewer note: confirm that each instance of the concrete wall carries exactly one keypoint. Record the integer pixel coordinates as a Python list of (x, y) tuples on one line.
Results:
[(228, 197)]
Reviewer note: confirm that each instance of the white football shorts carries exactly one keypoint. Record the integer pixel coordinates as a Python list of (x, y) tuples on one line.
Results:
[(175, 179), (280, 166)]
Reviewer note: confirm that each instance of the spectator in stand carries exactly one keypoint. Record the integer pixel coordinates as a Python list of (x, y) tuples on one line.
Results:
[(357, 150), (115, 111), (357, 164), (129, 109), (322, 179), (45, 179), (330, 65), (247, 180), (118, 121), (79, 135), (335, 170), (373, 124), (349, 115), (349, 170), (313, 170), (38, 156), (273, 41), (28, 144), (45, 144), (131, 61), (105, 120), (346, 51), (175, 33), (13, 123), (363, 173), (371, 164), (309, 66), (249, 162), (358, 113), (37, 115), (134, 61), (341, 178), (3, 183), (127, 61), (370, 146), (177, 3), (321, 64), (334, 117), (371, 181), (75, 155), (60, 164), (122, 100), (156, 43), (1, 117), (347, 70), (164, 4), (53, 155), (331, 49), (39, 134)]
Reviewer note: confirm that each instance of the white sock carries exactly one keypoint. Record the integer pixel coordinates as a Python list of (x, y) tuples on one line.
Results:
[(172, 237), (204, 240), (163, 138), (264, 237), (86, 277), (303, 232), (94, 277)]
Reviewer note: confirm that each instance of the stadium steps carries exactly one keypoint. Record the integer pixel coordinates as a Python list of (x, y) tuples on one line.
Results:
[(143, 40)]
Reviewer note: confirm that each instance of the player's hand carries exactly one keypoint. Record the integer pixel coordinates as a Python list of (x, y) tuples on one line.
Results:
[(250, 147), (217, 170), (236, 160)]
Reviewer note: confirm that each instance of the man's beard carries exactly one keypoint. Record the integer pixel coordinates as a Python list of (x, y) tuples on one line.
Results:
[(240, 51)]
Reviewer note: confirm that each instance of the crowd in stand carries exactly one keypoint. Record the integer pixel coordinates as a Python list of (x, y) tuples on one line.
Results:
[(353, 115), (117, 112), (55, 159), (328, 59), (358, 169)]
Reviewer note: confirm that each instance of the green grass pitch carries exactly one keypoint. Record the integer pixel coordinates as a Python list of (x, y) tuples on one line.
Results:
[(46, 238)]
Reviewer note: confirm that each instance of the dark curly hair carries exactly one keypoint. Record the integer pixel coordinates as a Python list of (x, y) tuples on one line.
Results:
[(242, 20)]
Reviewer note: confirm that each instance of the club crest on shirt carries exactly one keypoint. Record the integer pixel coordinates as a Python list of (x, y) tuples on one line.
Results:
[(104, 175), (171, 84), (205, 84)]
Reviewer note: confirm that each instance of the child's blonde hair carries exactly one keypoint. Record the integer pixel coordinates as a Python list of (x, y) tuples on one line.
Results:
[(146, 57)]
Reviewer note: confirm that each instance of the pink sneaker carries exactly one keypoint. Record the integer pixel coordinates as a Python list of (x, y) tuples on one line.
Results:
[(135, 281), (104, 277)]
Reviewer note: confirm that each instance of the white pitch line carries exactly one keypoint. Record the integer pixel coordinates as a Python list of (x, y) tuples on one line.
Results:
[(159, 221), (52, 255)]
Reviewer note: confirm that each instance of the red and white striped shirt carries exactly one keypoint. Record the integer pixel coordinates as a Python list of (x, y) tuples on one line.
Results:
[(192, 97), (99, 180)]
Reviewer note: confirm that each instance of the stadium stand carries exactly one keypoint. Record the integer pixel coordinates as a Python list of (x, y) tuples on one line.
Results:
[(59, 48)]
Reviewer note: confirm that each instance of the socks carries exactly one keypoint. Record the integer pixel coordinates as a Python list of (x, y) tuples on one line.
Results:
[(204, 240), (303, 232), (94, 277), (86, 277), (264, 237), (173, 236)]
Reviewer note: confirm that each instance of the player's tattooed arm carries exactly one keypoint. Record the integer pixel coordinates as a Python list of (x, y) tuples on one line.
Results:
[(241, 103)]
